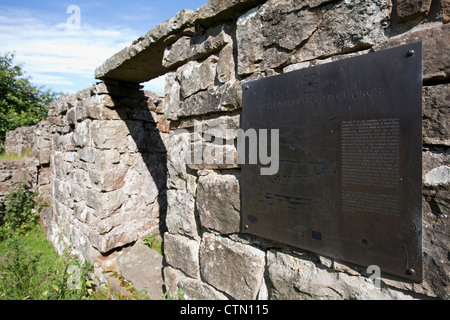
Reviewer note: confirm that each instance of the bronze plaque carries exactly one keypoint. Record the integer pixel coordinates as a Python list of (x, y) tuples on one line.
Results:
[(349, 178)]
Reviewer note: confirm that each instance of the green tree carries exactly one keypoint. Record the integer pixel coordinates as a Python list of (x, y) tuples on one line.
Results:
[(21, 102)]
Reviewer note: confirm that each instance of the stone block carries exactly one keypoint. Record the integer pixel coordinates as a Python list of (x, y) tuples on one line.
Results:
[(182, 253), (196, 76), (231, 267), (435, 231), (226, 66), (223, 127), (293, 33), (110, 134), (209, 155), (63, 143), (44, 156), (142, 267), (143, 182), (432, 160), (104, 203), (162, 124), (84, 94), (439, 176), (102, 107), (192, 48), (436, 115), (106, 242), (142, 138), (61, 191), (218, 202), (172, 98), (105, 159), (226, 97), (180, 217), (71, 117), (445, 5), (216, 10), (118, 89), (81, 134), (87, 154), (81, 178), (198, 290), (291, 277), (171, 278), (249, 42), (177, 52), (64, 103), (81, 111), (213, 143), (436, 52), (351, 25), (150, 47), (176, 159), (412, 9), (108, 179)]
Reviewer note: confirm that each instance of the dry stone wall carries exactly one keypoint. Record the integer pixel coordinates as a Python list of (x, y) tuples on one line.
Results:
[(208, 257), (33, 167), (122, 167), (108, 169), (14, 172)]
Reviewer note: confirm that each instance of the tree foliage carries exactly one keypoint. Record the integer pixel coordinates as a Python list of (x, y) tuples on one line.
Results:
[(21, 102)]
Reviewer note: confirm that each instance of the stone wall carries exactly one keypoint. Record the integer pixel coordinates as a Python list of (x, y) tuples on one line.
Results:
[(33, 167), (14, 172), (108, 170), (120, 164), (18, 140), (208, 257)]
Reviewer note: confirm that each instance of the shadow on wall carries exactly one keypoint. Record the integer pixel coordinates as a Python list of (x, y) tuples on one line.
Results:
[(142, 112)]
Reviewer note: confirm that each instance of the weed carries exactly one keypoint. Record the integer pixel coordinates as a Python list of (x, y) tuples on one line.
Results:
[(31, 270), (20, 212), (29, 267), (180, 295), (152, 242)]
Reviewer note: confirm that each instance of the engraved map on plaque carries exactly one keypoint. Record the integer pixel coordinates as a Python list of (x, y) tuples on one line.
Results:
[(349, 179)]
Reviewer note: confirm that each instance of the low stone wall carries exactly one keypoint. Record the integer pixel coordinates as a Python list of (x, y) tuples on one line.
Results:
[(33, 168), (18, 140), (108, 170), (15, 172)]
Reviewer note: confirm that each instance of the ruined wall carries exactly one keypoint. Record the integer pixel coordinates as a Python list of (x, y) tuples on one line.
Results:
[(18, 140), (208, 257), (32, 167), (109, 145), (108, 170), (14, 172)]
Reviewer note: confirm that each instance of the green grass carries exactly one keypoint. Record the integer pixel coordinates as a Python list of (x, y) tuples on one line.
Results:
[(26, 153), (30, 269), (152, 242)]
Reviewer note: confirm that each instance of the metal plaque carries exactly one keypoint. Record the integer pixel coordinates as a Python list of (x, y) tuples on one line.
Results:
[(349, 178)]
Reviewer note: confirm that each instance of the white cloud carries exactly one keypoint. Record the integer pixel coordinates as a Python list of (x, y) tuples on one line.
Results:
[(156, 85), (56, 56)]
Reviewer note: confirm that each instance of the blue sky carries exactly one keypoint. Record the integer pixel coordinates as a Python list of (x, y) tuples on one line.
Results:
[(63, 58)]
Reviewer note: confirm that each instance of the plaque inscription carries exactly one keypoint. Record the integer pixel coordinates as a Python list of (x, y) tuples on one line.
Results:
[(349, 180)]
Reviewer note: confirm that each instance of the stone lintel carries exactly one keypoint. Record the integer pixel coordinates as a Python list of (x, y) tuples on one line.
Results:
[(142, 60)]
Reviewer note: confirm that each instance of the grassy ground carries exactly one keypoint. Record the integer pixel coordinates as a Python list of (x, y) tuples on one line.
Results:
[(31, 270), (26, 153)]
